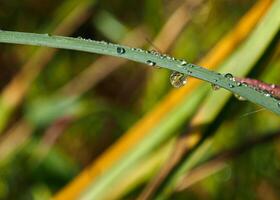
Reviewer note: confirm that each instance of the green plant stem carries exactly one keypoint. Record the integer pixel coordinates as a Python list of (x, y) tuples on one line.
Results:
[(151, 58)]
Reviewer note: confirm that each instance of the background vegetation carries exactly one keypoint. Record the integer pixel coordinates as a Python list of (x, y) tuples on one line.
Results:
[(76, 125)]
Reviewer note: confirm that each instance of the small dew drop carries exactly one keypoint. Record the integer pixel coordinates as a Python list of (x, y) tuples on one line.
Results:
[(163, 56), (267, 94), (183, 63), (120, 50), (104, 42), (151, 63), (190, 65), (189, 71), (215, 87), (240, 98), (238, 83), (228, 75), (273, 86), (231, 86), (154, 52), (278, 104), (178, 79), (168, 57)]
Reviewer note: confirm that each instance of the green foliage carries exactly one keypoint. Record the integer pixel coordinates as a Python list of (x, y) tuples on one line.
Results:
[(37, 168)]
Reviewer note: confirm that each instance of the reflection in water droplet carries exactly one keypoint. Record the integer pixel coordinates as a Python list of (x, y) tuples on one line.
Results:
[(151, 63), (240, 98), (215, 87), (178, 79), (120, 50)]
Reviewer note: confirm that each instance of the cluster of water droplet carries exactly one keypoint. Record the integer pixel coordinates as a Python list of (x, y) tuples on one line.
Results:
[(234, 84), (178, 79), (261, 91)]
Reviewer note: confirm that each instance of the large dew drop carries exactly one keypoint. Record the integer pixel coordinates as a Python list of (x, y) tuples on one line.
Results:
[(178, 79)]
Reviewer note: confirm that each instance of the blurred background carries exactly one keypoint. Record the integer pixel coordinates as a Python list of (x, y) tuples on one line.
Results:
[(75, 125)]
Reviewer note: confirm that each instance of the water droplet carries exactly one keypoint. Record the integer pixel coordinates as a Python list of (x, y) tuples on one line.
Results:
[(273, 86), (231, 86), (168, 57), (104, 42), (183, 63), (190, 65), (120, 50), (178, 79), (215, 87), (278, 104), (189, 71), (151, 63), (162, 56), (228, 75), (240, 98), (139, 50), (238, 83), (154, 52), (267, 94)]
